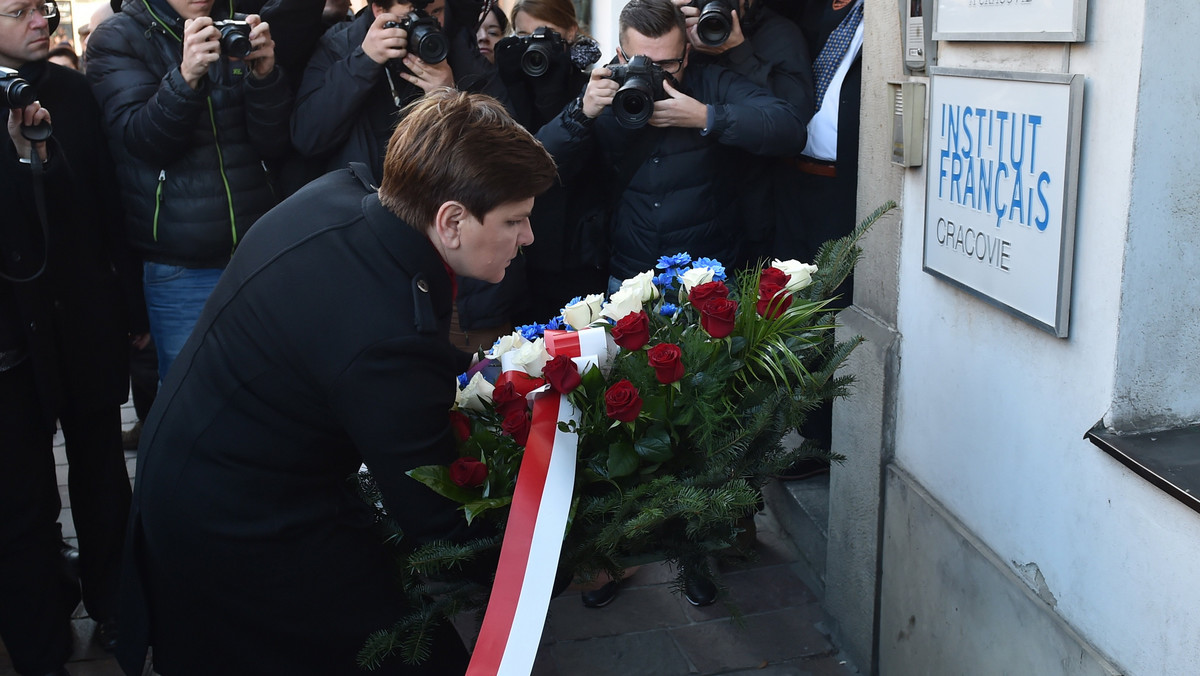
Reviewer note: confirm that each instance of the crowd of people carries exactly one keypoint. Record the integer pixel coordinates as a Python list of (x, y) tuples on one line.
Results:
[(300, 210)]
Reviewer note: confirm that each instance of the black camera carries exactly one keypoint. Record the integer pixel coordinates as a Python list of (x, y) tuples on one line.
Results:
[(235, 37), (539, 49), (15, 91), (715, 22), (425, 37), (641, 83)]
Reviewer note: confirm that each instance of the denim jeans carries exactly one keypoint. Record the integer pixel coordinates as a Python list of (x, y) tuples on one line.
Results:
[(175, 296)]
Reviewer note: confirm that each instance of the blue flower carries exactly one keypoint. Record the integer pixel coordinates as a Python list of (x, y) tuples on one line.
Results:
[(530, 331), (463, 380), (711, 264), (666, 280), (554, 324), (677, 261), (668, 309)]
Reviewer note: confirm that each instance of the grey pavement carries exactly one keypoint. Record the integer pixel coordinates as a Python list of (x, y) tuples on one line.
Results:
[(767, 621)]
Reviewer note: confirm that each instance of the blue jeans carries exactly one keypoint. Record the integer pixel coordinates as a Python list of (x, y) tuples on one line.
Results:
[(175, 296)]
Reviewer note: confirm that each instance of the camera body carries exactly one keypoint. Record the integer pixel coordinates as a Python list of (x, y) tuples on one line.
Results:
[(425, 37), (641, 83), (235, 37), (539, 49), (15, 91), (715, 22)]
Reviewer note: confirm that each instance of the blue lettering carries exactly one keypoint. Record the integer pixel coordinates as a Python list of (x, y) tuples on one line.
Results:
[(1041, 223)]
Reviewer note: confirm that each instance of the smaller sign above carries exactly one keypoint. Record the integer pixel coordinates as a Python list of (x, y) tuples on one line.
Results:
[(1011, 20)]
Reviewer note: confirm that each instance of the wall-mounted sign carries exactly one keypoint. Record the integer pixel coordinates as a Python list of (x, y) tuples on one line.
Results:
[(1001, 175), (1013, 20)]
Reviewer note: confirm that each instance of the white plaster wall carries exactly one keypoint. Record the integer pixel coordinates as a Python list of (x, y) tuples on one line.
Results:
[(604, 26), (992, 411)]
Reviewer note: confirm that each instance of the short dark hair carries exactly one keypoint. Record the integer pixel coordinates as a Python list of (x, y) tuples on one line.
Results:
[(456, 146), (652, 18)]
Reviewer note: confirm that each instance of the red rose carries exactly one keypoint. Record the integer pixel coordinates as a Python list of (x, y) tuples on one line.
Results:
[(773, 276), (621, 402), (516, 425), (461, 425), (468, 472), (772, 299), (717, 316), (562, 374), (506, 399), (665, 358), (702, 293), (633, 331)]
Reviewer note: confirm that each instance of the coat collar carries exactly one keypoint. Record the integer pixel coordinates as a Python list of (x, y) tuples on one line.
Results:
[(412, 251)]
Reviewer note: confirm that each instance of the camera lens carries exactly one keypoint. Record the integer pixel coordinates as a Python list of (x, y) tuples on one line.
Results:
[(15, 93), (536, 60), (431, 44), (633, 104), (715, 24), (235, 42)]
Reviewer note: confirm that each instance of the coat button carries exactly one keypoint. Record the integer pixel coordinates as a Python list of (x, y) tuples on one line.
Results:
[(423, 286), (657, 205)]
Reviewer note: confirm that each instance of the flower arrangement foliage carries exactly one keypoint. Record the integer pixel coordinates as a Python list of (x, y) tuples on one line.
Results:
[(707, 372)]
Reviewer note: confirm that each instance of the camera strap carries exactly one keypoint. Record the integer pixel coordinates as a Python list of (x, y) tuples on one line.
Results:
[(38, 171)]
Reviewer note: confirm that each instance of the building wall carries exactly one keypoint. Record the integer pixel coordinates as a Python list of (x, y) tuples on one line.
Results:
[(990, 411)]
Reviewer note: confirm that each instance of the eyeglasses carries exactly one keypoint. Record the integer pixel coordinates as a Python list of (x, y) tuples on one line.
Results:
[(669, 66), (48, 10)]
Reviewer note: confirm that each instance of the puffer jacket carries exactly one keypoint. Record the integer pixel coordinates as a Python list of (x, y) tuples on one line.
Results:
[(682, 194), (190, 162)]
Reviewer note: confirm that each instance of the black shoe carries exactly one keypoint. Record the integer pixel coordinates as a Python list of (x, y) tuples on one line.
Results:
[(699, 591), (598, 598), (105, 635), (70, 561)]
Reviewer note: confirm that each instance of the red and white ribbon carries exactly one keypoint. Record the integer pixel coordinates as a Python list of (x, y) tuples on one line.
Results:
[(512, 626)]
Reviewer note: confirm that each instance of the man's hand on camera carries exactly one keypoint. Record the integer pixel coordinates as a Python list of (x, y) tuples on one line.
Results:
[(28, 116), (428, 76), (201, 48), (679, 110), (736, 37), (262, 55), (599, 93), (384, 44)]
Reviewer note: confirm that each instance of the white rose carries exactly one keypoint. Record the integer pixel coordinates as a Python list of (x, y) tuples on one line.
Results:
[(475, 394), (530, 357), (581, 315), (695, 277), (800, 274), (506, 343), (623, 302), (642, 285)]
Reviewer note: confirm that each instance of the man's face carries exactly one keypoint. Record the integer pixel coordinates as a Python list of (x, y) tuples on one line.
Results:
[(191, 9), (435, 9), (25, 39), (488, 246), (664, 50)]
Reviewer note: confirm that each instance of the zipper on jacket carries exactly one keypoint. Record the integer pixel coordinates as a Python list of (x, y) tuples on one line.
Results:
[(162, 178), (212, 118), (270, 180)]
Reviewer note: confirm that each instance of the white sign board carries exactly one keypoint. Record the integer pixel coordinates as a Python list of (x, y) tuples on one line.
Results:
[(1001, 175), (1017, 20)]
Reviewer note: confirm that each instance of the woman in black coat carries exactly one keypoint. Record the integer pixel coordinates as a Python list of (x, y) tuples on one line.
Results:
[(324, 346)]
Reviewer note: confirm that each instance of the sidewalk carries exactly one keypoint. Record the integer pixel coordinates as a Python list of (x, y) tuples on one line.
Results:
[(773, 627)]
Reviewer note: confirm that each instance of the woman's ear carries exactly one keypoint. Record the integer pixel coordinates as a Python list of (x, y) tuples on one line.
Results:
[(447, 223)]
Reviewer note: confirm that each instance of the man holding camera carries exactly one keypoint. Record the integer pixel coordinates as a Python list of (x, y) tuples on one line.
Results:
[(63, 336), (366, 70), (676, 179), (193, 105)]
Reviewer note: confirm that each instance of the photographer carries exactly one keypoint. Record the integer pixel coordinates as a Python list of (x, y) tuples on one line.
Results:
[(363, 73), (677, 177), (753, 40), (544, 66), (64, 330), (190, 125)]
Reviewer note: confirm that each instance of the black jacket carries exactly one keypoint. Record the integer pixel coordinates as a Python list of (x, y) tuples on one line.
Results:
[(72, 319), (323, 346), (345, 108), (190, 162), (682, 194)]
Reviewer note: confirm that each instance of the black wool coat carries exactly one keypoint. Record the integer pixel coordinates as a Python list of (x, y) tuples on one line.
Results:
[(323, 346), (73, 319)]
